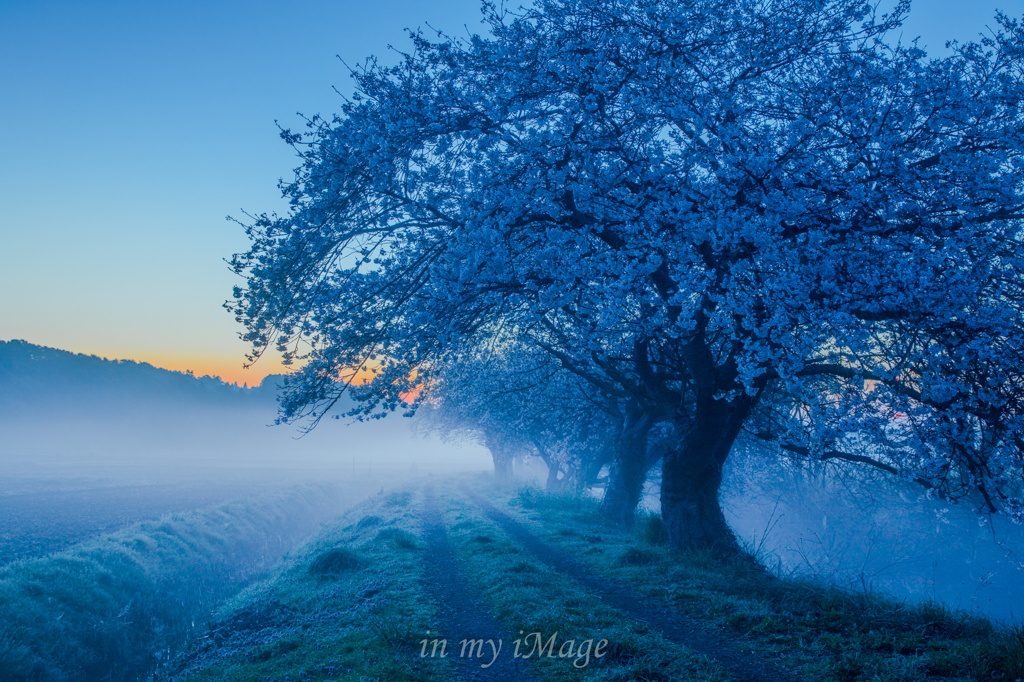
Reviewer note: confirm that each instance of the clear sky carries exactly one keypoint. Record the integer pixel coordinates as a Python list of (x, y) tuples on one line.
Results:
[(130, 130)]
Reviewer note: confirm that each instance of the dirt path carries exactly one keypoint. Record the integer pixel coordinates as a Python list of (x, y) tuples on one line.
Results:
[(462, 615), (674, 626)]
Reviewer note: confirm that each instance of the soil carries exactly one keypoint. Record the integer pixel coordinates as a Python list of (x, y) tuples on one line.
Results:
[(674, 626)]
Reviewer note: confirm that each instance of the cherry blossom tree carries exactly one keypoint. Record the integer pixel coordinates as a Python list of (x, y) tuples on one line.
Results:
[(517, 401), (498, 399), (704, 207)]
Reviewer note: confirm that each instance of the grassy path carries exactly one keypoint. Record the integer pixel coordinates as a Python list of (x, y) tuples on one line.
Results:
[(550, 593), (461, 617), (674, 626), (548, 609)]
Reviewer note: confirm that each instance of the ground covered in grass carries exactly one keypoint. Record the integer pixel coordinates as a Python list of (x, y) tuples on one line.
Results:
[(113, 607), (40, 522), (351, 606), (569, 598), (816, 631)]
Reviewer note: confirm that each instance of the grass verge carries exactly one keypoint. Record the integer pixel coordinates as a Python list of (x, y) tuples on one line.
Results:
[(351, 605), (819, 631), (113, 607), (354, 605), (537, 603)]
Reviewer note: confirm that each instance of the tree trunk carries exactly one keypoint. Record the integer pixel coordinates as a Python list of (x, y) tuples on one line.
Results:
[(586, 471), (629, 468), (502, 466), (501, 454), (552, 484), (692, 475)]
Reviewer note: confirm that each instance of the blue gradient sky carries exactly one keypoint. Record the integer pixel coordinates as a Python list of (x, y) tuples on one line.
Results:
[(131, 129)]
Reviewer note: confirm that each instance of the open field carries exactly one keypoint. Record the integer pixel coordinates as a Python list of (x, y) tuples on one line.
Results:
[(512, 583), (36, 523), (112, 607)]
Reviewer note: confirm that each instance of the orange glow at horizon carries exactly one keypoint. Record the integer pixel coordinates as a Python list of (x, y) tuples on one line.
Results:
[(409, 396), (365, 375), (228, 369), (232, 370)]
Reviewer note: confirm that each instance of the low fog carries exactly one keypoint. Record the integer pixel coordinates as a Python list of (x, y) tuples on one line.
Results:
[(65, 417), (77, 423), (89, 446), (862, 531), (867, 531)]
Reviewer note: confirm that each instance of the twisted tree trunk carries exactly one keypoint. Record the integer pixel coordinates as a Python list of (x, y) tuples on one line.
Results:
[(692, 476), (501, 454), (585, 473), (553, 483), (628, 470)]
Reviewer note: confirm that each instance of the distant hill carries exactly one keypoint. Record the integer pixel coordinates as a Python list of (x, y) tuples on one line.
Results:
[(65, 414), (34, 377)]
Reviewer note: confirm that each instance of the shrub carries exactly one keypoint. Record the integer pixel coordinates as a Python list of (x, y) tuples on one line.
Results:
[(398, 498), (526, 497), (638, 556), (1013, 653), (529, 497), (368, 521), (335, 561), (651, 528), (401, 538), (397, 633)]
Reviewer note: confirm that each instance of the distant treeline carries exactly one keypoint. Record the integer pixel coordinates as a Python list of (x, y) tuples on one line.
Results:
[(113, 607), (31, 374), (62, 411)]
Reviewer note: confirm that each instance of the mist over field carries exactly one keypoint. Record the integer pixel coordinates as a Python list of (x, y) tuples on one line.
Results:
[(82, 432), (864, 532), (88, 445), (869, 532), (873, 533), (66, 415), (94, 451)]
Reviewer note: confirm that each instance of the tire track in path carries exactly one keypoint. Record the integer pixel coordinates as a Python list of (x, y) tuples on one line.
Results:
[(462, 614), (674, 626)]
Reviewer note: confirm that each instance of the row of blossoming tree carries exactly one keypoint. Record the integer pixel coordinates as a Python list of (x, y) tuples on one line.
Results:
[(712, 220)]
